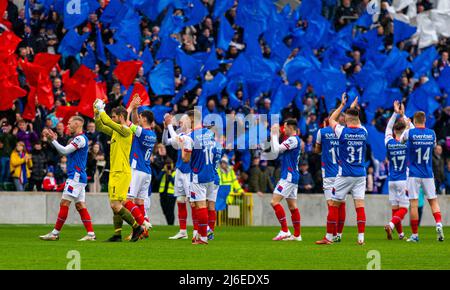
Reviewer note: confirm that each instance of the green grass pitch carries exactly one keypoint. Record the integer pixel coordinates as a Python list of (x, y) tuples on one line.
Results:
[(249, 248)]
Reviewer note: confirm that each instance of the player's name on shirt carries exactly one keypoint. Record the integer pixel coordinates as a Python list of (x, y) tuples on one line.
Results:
[(397, 146), (354, 136), (331, 136)]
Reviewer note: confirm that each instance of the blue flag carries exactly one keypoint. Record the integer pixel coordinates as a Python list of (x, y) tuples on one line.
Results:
[(225, 35), (75, 13), (444, 80), (158, 111), (281, 98), (309, 8), (190, 85), (317, 33), (171, 24), (364, 20), (220, 7), (129, 30), (147, 59), (27, 12), (212, 87), (402, 31), (297, 68), (89, 59), (424, 99), (167, 48), (195, 12), (161, 78), (151, 8), (395, 64), (376, 141), (111, 11), (71, 43), (422, 64), (122, 51), (211, 62), (100, 48), (189, 65)]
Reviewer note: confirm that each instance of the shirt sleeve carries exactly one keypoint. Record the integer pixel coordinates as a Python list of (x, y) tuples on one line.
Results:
[(188, 143), (338, 130), (137, 130), (319, 137), (289, 144), (65, 150), (78, 142), (404, 136), (388, 135), (124, 131)]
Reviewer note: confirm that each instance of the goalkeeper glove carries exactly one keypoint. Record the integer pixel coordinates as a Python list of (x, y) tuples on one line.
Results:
[(99, 105)]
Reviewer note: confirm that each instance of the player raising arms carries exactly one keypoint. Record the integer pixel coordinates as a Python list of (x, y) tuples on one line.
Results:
[(396, 154), (351, 176), (141, 172), (182, 174), (327, 143), (74, 190), (120, 171), (420, 142), (287, 186), (199, 148)]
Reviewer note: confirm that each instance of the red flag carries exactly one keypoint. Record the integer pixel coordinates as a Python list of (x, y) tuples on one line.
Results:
[(126, 71), (94, 91), (30, 109), (32, 72), (3, 6), (76, 86), (9, 43), (65, 112), (47, 61), (140, 90), (45, 92), (9, 93)]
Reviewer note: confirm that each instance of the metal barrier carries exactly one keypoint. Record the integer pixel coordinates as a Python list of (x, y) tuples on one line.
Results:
[(239, 211)]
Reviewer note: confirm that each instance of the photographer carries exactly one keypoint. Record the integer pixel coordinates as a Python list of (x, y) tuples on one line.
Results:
[(166, 191)]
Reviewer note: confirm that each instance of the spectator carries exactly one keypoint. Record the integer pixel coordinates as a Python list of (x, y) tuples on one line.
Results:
[(49, 183), (20, 166), (7, 143), (62, 136), (345, 14), (227, 177), (447, 177), (91, 134), (24, 133), (61, 170), (166, 191), (259, 176), (95, 166), (39, 170), (370, 184), (438, 168), (158, 161), (306, 183)]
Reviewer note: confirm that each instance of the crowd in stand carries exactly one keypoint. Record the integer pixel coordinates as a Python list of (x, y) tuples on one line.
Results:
[(29, 162)]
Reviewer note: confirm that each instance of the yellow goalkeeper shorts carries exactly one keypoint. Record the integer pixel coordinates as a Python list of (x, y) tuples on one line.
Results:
[(119, 183)]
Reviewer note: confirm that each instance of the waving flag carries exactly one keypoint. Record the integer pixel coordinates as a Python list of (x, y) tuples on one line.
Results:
[(89, 59), (71, 43), (282, 97), (212, 87), (422, 64), (128, 31), (100, 47), (75, 12), (147, 59), (158, 111), (190, 85), (161, 78), (171, 24), (195, 12), (225, 35), (395, 64), (376, 141), (424, 99), (167, 49), (126, 72), (402, 31), (189, 65), (220, 7), (113, 9), (444, 80), (121, 51), (46, 60), (136, 89)]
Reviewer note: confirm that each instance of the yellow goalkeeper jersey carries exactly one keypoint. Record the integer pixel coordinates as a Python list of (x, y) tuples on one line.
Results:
[(121, 140)]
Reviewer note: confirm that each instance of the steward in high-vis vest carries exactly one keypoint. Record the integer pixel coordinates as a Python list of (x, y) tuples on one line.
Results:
[(166, 192), (228, 177)]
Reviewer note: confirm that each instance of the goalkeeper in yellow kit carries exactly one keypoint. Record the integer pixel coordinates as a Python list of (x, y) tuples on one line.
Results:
[(120, 171)]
